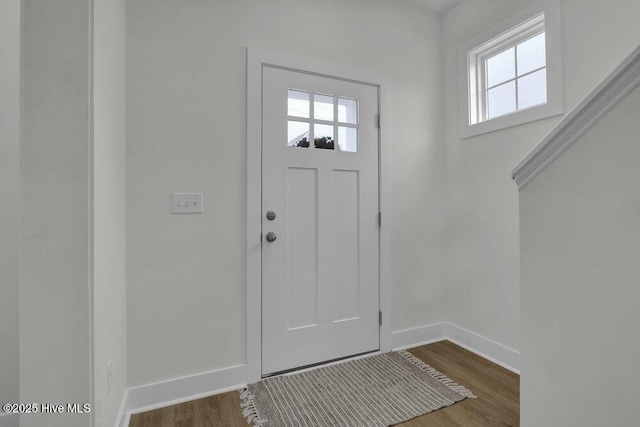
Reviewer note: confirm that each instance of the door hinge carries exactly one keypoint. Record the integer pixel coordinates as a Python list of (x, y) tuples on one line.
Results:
[(260, 237), (380, 317), (378, 121), (380, 219)]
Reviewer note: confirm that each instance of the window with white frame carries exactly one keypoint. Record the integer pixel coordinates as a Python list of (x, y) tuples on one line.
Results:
[(512, 74)]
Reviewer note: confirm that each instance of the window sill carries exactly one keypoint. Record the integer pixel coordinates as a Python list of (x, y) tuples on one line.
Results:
[(510, 120)]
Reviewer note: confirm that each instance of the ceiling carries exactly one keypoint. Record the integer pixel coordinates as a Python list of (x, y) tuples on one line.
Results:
[(438, 6)]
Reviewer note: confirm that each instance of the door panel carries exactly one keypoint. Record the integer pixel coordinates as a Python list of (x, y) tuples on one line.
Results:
[(302, 250), (346, 241), (320, 286)]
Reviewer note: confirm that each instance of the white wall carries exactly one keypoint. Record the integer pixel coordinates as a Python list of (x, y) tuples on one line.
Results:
[(581, 280), (186, 133), (109, 194), (483, 286), (10, 196), (55, 321)]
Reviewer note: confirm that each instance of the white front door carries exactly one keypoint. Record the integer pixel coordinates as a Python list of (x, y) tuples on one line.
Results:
[(320, 278)]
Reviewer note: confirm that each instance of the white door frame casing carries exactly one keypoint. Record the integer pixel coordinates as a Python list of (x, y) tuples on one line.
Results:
[(256, 59)]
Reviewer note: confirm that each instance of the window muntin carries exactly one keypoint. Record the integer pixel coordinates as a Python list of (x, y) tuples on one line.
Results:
[(516, 78), (330, 121), (496, 66)]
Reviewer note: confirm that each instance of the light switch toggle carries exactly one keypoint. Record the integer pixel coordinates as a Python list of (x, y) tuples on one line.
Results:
[(186, 203)]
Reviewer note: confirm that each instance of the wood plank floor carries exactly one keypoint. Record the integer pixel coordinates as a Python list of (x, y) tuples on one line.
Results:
[(497, 404)]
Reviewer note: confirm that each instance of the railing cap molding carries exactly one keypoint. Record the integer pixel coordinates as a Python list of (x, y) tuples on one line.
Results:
[(599, 102)]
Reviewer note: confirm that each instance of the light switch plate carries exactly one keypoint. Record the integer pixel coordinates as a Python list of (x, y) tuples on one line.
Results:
[(186, 203)]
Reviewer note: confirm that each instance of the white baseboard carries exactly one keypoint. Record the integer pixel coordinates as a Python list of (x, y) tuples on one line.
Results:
[(123, 414), (179, 390), (414, 337), (497, 353), (166, 393), (9, 420), (504, 356)]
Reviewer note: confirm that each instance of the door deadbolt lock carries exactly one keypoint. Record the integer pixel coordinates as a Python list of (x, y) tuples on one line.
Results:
[(271, 215), (271, 237)]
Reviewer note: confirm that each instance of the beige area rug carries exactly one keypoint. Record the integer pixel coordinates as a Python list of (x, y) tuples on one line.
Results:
[(374, 391)]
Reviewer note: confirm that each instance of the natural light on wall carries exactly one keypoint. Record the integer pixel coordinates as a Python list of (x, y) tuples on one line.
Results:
[(512, 73)]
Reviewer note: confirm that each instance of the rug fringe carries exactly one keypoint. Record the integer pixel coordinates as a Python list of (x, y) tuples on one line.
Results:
[(463, 391), (249, 410)]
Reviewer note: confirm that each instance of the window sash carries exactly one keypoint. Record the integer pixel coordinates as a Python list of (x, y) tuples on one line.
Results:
[(477, 60), (336, 123)]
